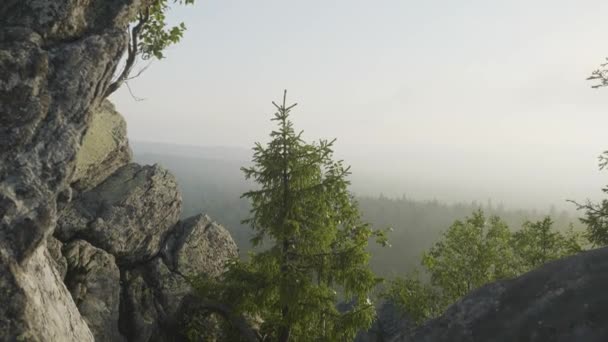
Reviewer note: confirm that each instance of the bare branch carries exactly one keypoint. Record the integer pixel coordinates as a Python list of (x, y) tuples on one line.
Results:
[(133, 95), (132, 52)]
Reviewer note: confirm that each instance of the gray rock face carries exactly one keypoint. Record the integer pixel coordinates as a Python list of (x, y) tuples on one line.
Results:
[(36, 306), (199, 245), (128, 215), (63, 19), (56, 59), (104, 149), (389, 324), (151, 297), (60, 263), (563, 301), (93, 279), (153, 293)]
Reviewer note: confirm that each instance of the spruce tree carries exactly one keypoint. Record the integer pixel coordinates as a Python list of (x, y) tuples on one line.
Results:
[(316, 255)]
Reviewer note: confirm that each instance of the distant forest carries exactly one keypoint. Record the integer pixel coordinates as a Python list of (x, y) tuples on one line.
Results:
[(212, 184)]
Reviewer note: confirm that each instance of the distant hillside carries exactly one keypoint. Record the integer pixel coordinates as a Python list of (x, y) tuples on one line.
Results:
[(211, 182)]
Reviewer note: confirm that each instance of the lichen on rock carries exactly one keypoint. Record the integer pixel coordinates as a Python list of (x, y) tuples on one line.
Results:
[(104, 149)]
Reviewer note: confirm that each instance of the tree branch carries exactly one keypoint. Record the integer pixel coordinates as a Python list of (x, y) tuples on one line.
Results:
[(132, 52)]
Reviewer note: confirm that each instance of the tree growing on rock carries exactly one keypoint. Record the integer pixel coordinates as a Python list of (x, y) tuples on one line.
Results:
[(317, 254), (149, 36)]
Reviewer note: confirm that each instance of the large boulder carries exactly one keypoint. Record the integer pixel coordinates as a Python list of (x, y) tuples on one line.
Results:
[(199, 245), (128, 215), (153, 293), (104, 149), (563, 301), (93, 279)]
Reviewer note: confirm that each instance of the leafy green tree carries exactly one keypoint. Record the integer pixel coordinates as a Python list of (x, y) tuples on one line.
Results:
[(474, 252), (538, 243), (149, 36), (418, 300), (317, 255), (471, 253)]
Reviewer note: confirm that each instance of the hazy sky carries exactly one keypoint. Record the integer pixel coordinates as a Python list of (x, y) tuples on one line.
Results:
[(448, 99)]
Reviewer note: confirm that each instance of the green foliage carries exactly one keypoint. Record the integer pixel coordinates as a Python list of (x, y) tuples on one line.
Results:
[(596, 214), (471, 253), (537, 243), (213, 186), (419, 224), (574, 241), (156, 35), (474, 252), (596, 219), (418, 300), (317, 255), (150, 35)]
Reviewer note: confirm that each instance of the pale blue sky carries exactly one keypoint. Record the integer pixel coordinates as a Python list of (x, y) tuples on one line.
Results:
[(463, 98)]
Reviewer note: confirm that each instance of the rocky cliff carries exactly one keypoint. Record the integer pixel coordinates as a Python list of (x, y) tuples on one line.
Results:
[(91, 247)]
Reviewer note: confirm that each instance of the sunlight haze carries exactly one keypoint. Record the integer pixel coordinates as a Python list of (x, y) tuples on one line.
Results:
[(457, 101)]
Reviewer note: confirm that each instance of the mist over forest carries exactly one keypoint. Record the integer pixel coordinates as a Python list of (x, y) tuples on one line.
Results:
[(211, 182)]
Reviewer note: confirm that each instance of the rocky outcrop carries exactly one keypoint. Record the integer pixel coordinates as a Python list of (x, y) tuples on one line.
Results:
[(153, 293), (565, 300), (128, 257), (104, 149), (93, 279), (129, 214), (56, 60), (196, 245)]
